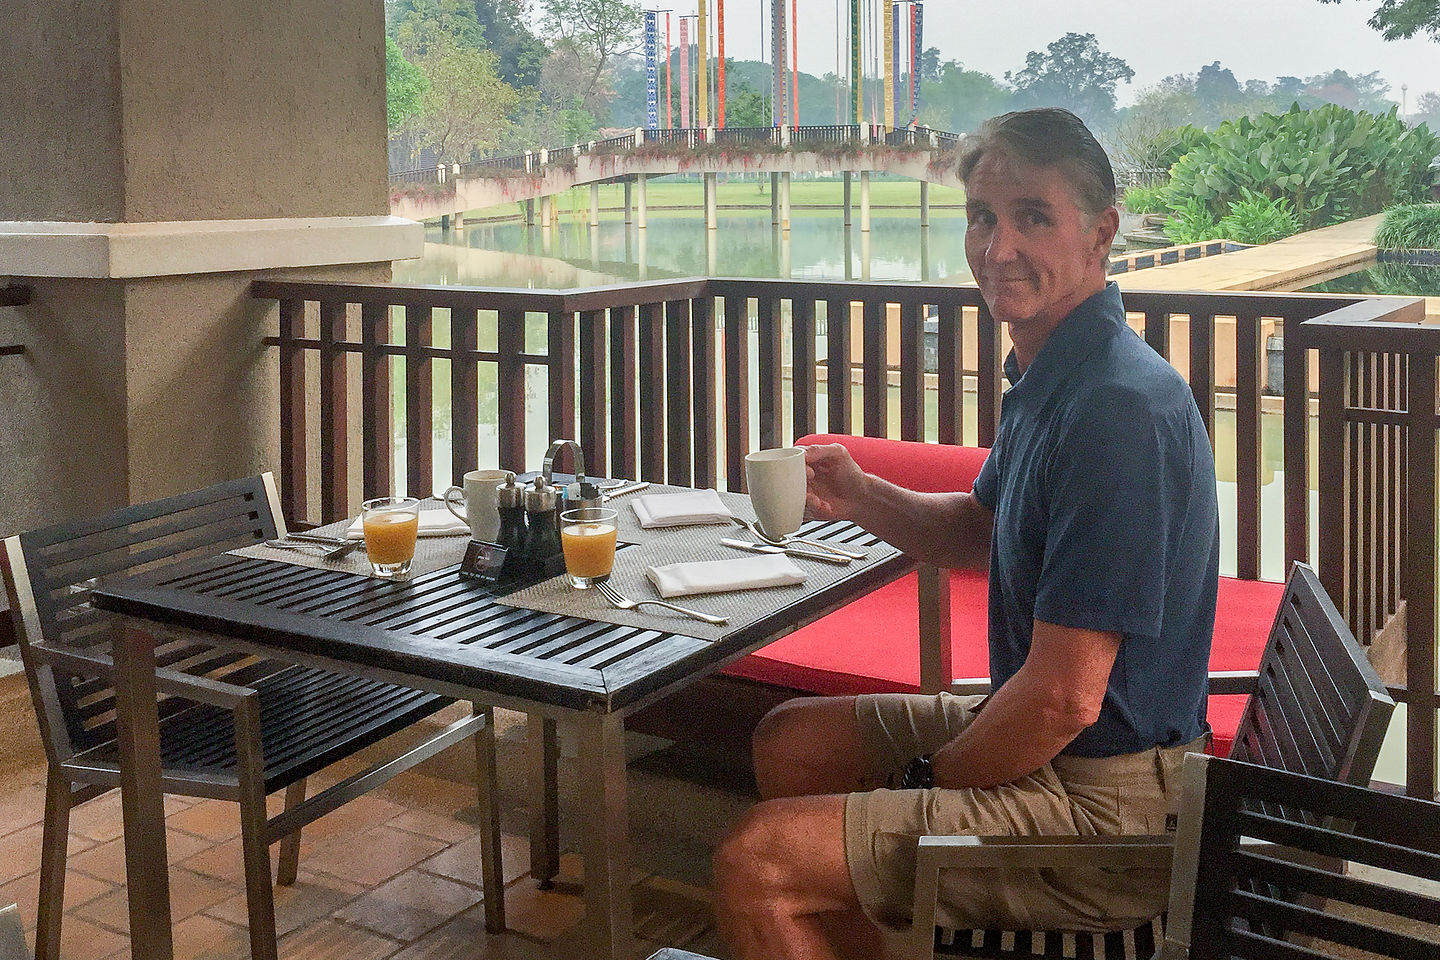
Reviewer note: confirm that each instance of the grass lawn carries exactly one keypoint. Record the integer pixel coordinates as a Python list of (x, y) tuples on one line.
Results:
[(689, 196)]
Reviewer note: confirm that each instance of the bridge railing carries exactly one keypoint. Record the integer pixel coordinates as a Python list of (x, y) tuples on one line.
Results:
[(825, 133), (747, 135)]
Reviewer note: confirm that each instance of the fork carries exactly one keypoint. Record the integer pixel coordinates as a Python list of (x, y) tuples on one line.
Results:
[(624, 603), (764, 537)]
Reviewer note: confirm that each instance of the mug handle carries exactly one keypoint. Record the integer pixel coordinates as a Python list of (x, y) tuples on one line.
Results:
[(450, 504)]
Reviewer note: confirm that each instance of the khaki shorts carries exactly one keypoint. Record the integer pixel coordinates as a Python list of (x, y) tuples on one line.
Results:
[(1070, 796)]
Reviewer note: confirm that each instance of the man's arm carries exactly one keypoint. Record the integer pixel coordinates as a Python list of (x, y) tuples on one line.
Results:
[(1054, 695), (947, 529)]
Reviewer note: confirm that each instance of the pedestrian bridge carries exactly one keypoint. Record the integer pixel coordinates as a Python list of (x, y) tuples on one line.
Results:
[(536, 177)]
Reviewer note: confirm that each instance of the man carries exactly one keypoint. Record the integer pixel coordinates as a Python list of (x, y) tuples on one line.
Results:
[(1096, 514)]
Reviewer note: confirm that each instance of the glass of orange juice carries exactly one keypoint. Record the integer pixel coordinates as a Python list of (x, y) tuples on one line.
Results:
[(587, 535), (391, 525)]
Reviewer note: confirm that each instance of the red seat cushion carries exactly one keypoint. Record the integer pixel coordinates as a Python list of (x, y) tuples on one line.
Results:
[(873, 644)]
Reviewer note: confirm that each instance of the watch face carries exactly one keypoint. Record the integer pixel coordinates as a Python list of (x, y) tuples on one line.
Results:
[(483, 560)]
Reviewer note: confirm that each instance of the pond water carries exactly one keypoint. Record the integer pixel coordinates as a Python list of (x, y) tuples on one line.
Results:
[(1388, 278), (818, 246)]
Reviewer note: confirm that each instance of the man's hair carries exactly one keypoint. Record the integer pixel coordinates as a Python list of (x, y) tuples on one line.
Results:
[(1047, 137)]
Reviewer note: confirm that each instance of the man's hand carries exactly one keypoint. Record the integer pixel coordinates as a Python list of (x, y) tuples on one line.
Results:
[(834, 484)]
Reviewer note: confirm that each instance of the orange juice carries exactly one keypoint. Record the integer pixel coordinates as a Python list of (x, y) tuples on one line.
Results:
[(589, 548), (390, 537)]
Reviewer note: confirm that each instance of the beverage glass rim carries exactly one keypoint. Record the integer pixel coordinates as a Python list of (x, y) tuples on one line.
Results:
[(596, 515), (390, 503)]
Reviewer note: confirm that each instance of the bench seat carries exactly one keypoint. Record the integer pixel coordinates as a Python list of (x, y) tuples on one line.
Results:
[(873, 644)]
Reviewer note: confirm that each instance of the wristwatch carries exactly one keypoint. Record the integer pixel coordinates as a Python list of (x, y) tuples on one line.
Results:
[(918, 775)]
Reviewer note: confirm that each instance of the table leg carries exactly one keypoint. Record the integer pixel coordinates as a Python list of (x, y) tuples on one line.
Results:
[(606, 838), (489, 799), (543, 748), (142, 805)]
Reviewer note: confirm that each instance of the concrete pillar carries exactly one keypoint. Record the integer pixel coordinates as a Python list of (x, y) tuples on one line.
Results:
[(642, 260), (864, 255), (166, 172), (775, 199), (710, 203), (640, 182), (924, 203), (594, 204), (924, 256), (785, 265), (444, 221), (629, 208), (847, 198), (710, 253), (784, 201), (849, 254), (865, 201), (530, 212)]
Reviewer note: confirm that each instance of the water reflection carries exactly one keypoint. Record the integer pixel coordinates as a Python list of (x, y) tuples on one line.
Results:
[(745, 244)]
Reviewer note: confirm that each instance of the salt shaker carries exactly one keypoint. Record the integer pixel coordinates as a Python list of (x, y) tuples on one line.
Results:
[(510, 502), (542, 518)]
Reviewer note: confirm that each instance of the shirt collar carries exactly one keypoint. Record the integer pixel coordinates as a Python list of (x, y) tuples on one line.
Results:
[(1085, 328)]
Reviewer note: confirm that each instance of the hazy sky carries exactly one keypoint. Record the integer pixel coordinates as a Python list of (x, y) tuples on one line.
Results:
[(1254, 38)]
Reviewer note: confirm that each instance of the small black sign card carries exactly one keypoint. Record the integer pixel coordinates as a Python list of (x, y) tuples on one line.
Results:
[(483, 561)]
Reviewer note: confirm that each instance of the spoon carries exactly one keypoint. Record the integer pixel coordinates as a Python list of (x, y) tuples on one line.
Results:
[(820, 544)]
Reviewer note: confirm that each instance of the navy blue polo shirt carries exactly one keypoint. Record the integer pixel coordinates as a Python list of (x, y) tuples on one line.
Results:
[(1102, 482)]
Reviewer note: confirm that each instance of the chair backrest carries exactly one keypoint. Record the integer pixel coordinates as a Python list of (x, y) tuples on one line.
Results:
[(1318, 707), (48, 575), (1230, 897)]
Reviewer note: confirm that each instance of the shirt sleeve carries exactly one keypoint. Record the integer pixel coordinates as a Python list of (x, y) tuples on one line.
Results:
[(987, 482), (1108, 516)]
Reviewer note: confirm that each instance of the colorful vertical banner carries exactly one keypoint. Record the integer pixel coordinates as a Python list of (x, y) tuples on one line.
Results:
[(652, 74), (669, 87), (702, 59), (777, 58), (887, 64), (684, 72), (795, 60), (917, 57), (899, 46), (720, 61), (857, 63)]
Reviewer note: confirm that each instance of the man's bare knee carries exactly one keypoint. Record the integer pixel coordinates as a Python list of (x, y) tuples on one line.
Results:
[(809, 745)]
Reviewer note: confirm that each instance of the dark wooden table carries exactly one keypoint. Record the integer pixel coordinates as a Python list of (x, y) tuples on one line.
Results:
[(455, 636)]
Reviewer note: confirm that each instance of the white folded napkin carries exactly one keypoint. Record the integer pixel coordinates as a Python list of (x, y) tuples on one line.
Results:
[(676, 509), (718, 576), (433, 523)]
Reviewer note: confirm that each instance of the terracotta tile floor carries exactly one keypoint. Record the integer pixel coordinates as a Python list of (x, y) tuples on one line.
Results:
[(394, 874)]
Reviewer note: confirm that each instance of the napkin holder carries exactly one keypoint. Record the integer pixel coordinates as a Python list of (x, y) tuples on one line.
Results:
[(580, 493)]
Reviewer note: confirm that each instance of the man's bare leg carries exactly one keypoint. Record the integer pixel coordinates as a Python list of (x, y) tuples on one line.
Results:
[(781, 881), (811, 746)]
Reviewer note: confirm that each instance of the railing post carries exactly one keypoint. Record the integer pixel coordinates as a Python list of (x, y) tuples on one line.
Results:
[(440, 173), (544, 157), (639, 136), (784, 136), (529, 159)]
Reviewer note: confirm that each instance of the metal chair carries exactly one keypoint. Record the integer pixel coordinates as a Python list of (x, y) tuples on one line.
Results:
[(1316, 707), (1244, 882), (12, 935), (232, 726)]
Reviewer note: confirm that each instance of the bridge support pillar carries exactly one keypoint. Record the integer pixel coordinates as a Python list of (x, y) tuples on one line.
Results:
[(924, 203), (640, 182), (629, 209), (784, 201), (774, 199), (710, 202), (594, 204), (864, 201), (530, 212), (847, 197)]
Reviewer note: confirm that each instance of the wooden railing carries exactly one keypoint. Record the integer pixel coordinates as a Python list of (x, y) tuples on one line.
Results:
[(655, 381), (1377, 425)]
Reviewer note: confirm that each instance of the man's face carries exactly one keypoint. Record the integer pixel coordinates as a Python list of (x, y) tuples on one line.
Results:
[(1034, 253)]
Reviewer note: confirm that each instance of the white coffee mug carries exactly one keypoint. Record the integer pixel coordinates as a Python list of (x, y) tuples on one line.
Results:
[(775, 480), (477, 507)]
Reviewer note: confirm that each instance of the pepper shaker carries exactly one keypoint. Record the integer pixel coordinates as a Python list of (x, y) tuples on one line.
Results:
[(510, 502), (542, 519)]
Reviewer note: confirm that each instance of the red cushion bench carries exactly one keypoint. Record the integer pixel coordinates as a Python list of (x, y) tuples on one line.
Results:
[(873, 644)]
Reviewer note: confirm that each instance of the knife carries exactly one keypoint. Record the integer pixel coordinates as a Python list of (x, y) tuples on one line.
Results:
[(625, 488), (788, 551), (320, 538)]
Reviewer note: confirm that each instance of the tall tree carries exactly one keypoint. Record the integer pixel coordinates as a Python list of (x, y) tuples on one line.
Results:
[(960, 99), (405, 85), (1402, 19), (603, 29), (518, 52), (1074, 73), (417, 25), (466, 108)]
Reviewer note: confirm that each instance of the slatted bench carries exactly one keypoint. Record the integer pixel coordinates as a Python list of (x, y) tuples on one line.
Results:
[(873, 645)]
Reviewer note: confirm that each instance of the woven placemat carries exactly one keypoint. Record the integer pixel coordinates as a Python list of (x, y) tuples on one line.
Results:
[(673, 545), (431, 553), (628, 529)]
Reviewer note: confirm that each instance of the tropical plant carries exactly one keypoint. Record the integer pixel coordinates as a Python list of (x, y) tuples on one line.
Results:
[(1191, 222), (1329, 163), (1414, 226), (1145, 199), (1257, 218)]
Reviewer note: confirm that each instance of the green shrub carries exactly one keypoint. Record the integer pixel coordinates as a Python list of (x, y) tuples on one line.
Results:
[(1145, 199), (1192, 223), (1258, 219), (1415, 226), (1329, 163)]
